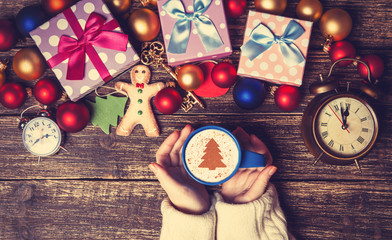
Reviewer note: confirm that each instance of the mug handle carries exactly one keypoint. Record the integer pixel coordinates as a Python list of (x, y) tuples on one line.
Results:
[(251, 159)]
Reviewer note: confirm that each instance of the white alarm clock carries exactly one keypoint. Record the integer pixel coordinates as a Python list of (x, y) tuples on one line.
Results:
[(42, 136)]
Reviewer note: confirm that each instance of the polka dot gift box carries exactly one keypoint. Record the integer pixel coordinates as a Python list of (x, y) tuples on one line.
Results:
[(194, 30), (274, 48), (85, 47)]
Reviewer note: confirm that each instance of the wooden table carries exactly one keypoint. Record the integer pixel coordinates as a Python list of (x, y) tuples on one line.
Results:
[(103, 189)]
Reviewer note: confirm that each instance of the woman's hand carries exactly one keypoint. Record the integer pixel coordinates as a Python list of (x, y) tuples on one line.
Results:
[(186, 194), (248, 184)]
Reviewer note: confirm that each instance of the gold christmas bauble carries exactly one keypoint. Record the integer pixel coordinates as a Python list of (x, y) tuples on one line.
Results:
[(146, 3), (190, 77), (336, 23), (119, 6), (28, 64), (271, 6), (3, 66), (310, 10), (144, 24)]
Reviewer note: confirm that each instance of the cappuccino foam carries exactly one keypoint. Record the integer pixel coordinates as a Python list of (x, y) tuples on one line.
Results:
[(211, 155)]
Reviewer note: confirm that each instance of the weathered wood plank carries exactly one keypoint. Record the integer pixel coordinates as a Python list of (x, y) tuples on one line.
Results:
[(371, 21), (92, 154), (317, 63), (131, 210)]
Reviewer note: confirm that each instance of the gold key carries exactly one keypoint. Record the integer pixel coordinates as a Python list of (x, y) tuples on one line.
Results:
[(152, 54)]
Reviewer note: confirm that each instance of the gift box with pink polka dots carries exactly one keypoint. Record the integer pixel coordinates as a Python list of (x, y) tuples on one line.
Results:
[(47, 38), (209, 16), (267, 61)]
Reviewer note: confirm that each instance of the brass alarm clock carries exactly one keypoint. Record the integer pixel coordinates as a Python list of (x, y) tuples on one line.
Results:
[(340, 124)]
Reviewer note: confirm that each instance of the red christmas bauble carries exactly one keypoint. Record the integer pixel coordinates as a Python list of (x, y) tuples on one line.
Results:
[(342, 49), (224, 74), (8, 35), (72, 117), (234, 8), (376, 66), (287, 98), (56, 6), (47, 91), (12, 95), (168, 101)]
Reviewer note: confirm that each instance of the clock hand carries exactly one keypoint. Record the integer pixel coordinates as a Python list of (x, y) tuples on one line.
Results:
[(339, 119), (36, 141), (342, 113), (345, 114)]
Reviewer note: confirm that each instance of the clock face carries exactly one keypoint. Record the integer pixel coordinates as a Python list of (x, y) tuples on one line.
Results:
[(345, 127), (42, 136)]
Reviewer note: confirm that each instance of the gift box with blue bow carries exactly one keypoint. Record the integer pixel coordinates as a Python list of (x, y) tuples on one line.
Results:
[(194, 30), (274, 48)]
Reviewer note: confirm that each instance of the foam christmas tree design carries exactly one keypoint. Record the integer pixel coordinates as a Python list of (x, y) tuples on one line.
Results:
[(105, 112), (212, 158)]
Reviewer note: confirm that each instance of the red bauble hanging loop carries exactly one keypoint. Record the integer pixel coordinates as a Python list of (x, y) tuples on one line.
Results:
[(342, 49), (12, 95), (72, 117), (376, 66), (224, 74), (287, 98), (234, 8), (168, 101), (47, 91)]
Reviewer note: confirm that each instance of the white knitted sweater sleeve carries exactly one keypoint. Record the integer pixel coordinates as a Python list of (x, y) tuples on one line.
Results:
[(177, 225), (260, 219)]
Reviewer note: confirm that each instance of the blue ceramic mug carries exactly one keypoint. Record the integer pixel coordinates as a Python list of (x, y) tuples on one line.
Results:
[(212, 155)]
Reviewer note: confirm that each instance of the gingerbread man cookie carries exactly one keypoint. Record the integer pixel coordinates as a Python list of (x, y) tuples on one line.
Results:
[(139, 110)]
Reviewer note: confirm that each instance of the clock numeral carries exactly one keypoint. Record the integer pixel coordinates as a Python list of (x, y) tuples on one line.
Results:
[(31, 129), (54, 136), (53, 130), (356, 110), (324, 134), (30, 141), (36, 124), (360, 139), (336, 107), (341, 148), (28, 135), (352, 147), (331, 143), (323, 124), (43, 123), (49, 125), (328, 114), (363, 119), (348, 106), (365, 130)]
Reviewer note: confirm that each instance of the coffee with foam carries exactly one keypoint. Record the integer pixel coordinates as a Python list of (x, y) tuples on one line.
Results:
[(211, 155)]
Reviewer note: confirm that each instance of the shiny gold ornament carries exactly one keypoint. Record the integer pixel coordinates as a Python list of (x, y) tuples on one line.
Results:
[(336, 24), (271, 6), (310, 10), (28, 64), (119, 6), (190, 77), (146, 3), (144, 24), (3, 66)]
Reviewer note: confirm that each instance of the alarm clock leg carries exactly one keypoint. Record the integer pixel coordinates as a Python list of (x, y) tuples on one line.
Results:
[(358, 166)]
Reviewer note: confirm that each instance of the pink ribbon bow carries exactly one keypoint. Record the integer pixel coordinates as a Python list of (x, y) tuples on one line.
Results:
[(96, 33)]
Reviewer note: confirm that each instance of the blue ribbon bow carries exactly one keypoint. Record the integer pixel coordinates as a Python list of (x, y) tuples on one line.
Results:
[(262, 38), (182, 28)]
